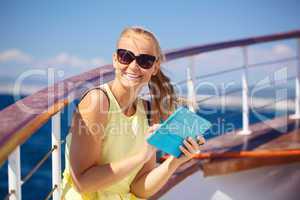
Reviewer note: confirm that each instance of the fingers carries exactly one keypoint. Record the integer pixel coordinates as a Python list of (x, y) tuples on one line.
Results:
[(194, 143), (153, 128), (191, 146), (201, 140), (186, 152)]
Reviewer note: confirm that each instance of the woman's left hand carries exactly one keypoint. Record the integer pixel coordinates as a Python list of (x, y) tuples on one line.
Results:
[(189, 148)]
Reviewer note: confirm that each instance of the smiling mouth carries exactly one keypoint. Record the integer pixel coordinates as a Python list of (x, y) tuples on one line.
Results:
[(131, 76)]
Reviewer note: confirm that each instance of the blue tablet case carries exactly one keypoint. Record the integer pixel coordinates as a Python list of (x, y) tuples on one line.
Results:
[(180, 125)]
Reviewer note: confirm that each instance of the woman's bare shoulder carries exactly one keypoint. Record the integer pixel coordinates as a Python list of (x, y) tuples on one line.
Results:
[(95, 102), (92, 113)]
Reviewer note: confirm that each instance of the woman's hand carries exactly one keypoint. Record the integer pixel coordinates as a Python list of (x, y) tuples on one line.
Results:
[(149, 150), (189, 148)]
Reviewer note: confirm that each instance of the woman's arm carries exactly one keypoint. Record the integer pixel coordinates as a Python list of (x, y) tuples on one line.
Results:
[(152, 180), (85, 148), (98, 177)]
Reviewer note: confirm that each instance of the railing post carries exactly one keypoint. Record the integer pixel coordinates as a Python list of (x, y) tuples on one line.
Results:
[(14, 175), (297, 86), (191, 88), (56, 159), (245, 94)]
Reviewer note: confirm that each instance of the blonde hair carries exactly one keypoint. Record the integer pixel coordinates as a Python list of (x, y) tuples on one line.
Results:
[(161, 90)]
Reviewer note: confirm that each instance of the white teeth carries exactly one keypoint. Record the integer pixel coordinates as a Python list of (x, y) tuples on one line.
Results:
[(132, 76)]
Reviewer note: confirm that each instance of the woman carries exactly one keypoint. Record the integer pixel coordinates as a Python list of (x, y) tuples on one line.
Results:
[(107, 156)]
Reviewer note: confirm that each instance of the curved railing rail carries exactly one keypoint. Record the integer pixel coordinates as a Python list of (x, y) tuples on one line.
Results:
[(190, 51), (20, 120), (23, 118)]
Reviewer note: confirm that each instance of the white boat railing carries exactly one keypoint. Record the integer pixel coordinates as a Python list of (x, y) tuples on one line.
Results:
[(56, 158), (14, 174), (11, 146), (297, 86), (245, 92)]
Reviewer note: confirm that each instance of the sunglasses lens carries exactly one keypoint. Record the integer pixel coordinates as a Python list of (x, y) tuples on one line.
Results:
[(124, 57), (145, 61)]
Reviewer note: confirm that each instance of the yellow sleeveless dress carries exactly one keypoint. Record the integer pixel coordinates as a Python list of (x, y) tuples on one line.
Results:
[(123, 137)]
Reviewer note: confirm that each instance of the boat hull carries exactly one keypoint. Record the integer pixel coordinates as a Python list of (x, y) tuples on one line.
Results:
[(280, 182)]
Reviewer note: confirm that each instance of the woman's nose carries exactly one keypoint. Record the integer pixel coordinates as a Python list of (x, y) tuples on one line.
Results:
[(134, 65)]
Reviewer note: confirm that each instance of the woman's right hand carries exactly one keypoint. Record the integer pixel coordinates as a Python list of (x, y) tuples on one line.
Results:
[(149, 150)]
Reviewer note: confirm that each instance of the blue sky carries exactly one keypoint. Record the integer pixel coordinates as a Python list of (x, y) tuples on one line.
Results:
[(36, 33)]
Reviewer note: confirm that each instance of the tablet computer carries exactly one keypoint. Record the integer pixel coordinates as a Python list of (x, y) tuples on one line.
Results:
[(180, 125)]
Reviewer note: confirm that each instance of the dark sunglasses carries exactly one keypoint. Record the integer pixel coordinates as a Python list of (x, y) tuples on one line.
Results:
[(145, 61)]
